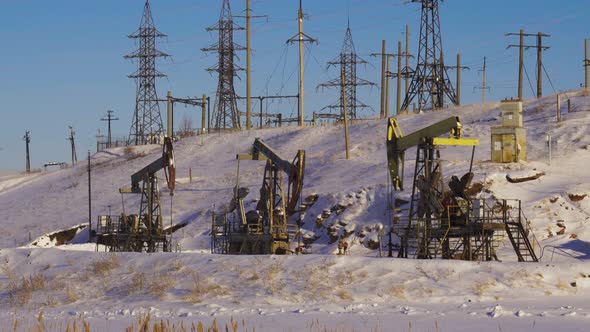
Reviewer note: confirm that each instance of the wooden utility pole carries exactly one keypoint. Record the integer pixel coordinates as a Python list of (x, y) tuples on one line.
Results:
[(558, 110), (385, 75), (301, 67), (483, 82), (249, 18), (301, 38), (586, 63), (169, 122), (89, 200), (458, 67), (539, 65), (540, 48), (99, 138), (344, 113), (109, 118), (387, 89), (73, 145), (520, 64), (383, 78), (203, 114), (27, 139), (399, 79), (398, 74)]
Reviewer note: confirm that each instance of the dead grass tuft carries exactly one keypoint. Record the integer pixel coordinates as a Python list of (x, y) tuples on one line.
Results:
[(202, 286), (20, 290), (482, 286), (105, 265), (159, 283), (344, 295)]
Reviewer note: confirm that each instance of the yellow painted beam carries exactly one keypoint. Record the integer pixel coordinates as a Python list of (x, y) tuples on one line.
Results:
[(456, 141)]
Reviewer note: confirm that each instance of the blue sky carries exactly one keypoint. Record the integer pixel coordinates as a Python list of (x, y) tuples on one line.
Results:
[(62, 61)]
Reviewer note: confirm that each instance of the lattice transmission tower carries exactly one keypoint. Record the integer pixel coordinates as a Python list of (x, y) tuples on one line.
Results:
[(430, 84), (225, 110), (347, 62), (146, 125)]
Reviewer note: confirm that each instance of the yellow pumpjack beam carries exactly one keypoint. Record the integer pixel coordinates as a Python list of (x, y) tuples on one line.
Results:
[(397, 143)]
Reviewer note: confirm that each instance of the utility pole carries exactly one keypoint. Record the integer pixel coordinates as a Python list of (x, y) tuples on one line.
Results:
[(89, 200), (586, 63), (109, 118), (399, 80), (203, 114), (540, 48), (407, 68), (383, 78), (170, 112), (99, 137), (458, 67), (387, 88), (483, 86), (73, 145), (248, 18), (397, 75), (301, 38), (27, 140), (386, 75)]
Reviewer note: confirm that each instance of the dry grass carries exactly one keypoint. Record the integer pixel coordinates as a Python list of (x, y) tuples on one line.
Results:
[(398, 291), (482, 286), (344, 295), (20, 290), (71, 294), (344, 278), (314, 281), (159, 283), (202, 286), (105, 265), (272, 270), (138, 283), (177, 265), (145, 324)]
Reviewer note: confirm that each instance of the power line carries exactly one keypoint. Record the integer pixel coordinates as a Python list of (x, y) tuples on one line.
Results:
[(540, 48)]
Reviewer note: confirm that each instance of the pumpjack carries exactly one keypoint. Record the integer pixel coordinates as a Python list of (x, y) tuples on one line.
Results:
[(142, 232), (441, 221), (265, 230)]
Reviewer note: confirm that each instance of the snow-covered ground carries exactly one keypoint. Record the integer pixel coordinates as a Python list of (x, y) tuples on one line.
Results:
[(360, 291)]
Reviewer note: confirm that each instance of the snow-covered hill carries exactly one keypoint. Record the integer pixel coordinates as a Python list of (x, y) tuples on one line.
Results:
[(41, 203)]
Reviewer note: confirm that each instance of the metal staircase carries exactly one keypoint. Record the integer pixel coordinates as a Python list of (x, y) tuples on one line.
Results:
[(519, 236)]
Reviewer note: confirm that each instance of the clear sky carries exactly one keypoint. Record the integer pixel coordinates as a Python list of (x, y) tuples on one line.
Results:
[(62, 61)]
